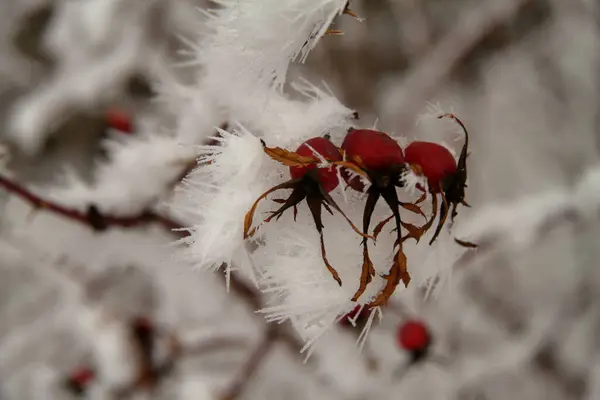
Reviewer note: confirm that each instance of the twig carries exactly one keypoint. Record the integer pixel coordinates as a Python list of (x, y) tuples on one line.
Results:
[(100, 222), (92, 217)]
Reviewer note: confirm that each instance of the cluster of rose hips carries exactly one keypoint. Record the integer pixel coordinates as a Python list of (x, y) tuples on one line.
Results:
[(378, 158)]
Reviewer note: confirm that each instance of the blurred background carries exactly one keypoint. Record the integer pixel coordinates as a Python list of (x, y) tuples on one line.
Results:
[(106, 313)]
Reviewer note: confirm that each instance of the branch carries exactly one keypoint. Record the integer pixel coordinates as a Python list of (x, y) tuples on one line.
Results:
[(101, 222)]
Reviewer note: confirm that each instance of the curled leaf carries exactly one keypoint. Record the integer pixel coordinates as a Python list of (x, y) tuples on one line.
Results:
[(413, 231), (413, 208), (289, 158), (466, 244), (351, 166), (250, 214), (422, 198), (379, 226), (398, 272), (367, 273), (329, 267)]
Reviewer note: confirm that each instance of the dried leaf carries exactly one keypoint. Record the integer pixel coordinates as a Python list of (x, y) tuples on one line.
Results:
[(422, 198), (329, 267), (250, 214), (314, 205), (379, 226), (368, 271), (443, 215), (414, 208), (398, 272), (289, 158), (466, 244), (413, 231), (351, 166), (326, 206)]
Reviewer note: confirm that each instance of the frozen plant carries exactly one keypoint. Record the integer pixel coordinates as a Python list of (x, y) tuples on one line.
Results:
[(310, 258)]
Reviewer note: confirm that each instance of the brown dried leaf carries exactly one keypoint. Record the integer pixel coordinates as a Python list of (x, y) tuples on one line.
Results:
[(379, 226), (368, 271), (351, 166), (422, 198), (414, 208), (329, 266), (398, 272), (466, 244), (250, 214), (413, 231), (289, 158)]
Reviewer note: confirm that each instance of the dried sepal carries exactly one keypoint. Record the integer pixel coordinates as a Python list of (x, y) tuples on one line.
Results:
[(288, 158), (328, 201), (466, 244), (444, 208), (353, 166), (413, 207), (366, 275), (380, 225), (248, 232), (367, 271), (421, 198), (314, 205), (414, 232), (398, 272)]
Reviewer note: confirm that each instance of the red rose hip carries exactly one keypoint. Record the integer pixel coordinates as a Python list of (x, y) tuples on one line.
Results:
[(382, 159), (119, 120), (434, 160), (79, 380), (445, 176), (327, 177), (414, 337), (309, 181)]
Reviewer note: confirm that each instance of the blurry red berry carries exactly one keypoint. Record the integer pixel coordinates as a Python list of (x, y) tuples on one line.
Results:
[(79, 379), (143, 324), (435, 162), (82, 375), (327, 176), (119, 120), (413, 336)]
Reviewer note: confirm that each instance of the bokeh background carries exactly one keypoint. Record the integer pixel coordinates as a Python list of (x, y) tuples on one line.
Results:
[(523, 74)]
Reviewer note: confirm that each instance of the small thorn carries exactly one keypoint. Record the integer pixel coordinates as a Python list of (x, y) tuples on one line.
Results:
[(263, 143)]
